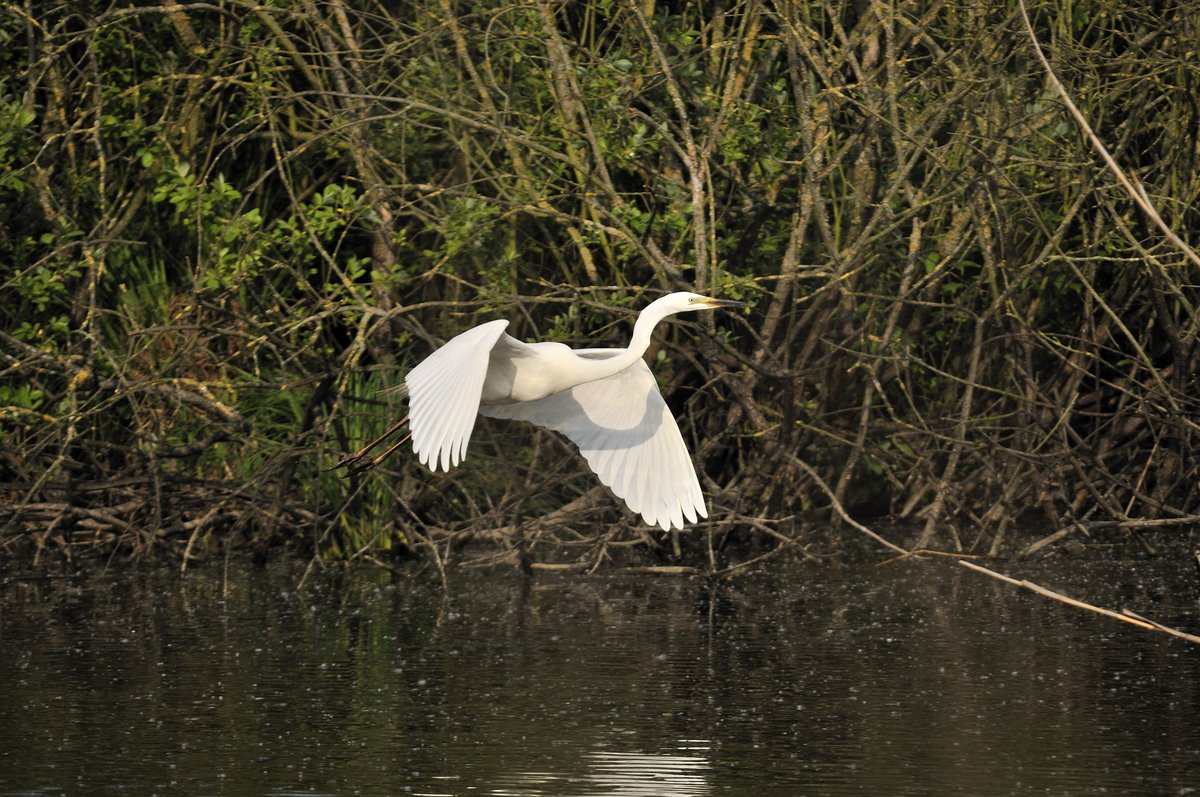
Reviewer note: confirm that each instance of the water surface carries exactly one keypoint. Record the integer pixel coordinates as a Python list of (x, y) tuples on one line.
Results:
[(915, 678)]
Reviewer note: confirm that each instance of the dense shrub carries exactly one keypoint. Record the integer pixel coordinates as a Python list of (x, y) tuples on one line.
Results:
[(226, 226)]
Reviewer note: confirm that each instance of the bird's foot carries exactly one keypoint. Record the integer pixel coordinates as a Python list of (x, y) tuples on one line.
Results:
[(359, 465), (352, 462)]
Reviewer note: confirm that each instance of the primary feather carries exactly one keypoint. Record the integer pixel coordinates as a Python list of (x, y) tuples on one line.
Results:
[(444, 392)]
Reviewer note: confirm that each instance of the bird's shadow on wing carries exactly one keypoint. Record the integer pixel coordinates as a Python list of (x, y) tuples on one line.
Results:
[(598, 418), (614, 426)]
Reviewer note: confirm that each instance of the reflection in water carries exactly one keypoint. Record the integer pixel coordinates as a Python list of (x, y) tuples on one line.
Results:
[(628, 774), (644, 775), (913, 679)]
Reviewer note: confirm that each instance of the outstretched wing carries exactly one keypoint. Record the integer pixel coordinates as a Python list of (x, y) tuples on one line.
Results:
[(626, 433), (443, 395)]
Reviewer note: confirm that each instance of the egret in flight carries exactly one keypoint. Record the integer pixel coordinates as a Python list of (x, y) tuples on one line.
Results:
[(604, 400)]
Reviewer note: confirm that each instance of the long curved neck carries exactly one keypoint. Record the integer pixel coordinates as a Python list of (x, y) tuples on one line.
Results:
[(511, 377), (562, 368), (643, 328)]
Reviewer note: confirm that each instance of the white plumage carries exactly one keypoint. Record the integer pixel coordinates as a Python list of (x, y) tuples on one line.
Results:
[(604, 400), (626, 433)]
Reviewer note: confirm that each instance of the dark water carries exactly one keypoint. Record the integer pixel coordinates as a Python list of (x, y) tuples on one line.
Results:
[(917, 678)]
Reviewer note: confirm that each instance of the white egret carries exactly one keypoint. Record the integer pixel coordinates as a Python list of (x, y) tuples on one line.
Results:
[(604, 400)]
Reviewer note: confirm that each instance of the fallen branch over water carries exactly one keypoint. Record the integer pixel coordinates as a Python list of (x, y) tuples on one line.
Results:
[(1128, 523), (1124, 615)]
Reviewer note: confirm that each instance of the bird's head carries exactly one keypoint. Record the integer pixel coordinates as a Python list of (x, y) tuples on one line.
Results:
[(672, 303), (684, 301)]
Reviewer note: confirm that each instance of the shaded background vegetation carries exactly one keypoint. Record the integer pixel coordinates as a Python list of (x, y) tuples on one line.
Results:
[(226, 226)]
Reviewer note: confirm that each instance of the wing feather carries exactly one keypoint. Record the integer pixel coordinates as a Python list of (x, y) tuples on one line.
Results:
[(443, 395), (629, 438), (441, 400)]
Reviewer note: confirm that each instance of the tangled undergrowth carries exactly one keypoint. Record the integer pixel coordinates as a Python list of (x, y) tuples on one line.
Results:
[(227, 227)]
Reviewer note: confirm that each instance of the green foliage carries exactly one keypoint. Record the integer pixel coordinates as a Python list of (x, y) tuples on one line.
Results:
[(223, 229), (17, 138)]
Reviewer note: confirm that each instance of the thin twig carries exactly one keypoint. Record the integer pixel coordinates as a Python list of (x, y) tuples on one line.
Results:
[(841, 510), (1124, 615)]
